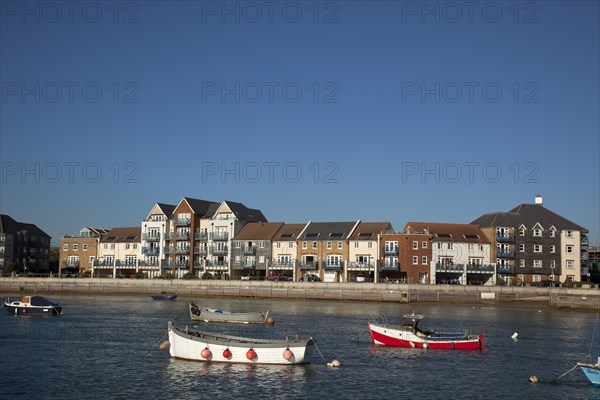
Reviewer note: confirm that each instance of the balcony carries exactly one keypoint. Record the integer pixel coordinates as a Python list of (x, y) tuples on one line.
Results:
[(201, 236), (125, 264), (458, 268), (332, 266), (219, 235), (505, 253), (308, 265), (182, 222), (584, 241), (249, 250), (282, 265), (182, 250), (217, 265), (202, 251), (389, 266), (71, 264), (390, 251), (198, 265), (245, 265), (219, 250), (177, 264), (178, 236), (151, 237), (150, 250), (149, 264), (505, 238), (169, 250), (104, 264), (505, 269), (363, 266), (480, 268)]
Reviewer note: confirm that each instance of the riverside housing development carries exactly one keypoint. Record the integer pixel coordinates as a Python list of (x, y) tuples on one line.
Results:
[(196, 238)]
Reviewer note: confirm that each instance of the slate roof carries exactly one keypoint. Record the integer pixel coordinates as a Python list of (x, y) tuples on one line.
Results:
[(9, 226), (363, 230), (123, 235), (244, 213), (464, 233), (289, 232), (328, 231), (528, 215), (259, 231)]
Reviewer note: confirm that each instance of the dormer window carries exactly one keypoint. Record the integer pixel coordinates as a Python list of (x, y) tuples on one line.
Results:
[(537, 232)]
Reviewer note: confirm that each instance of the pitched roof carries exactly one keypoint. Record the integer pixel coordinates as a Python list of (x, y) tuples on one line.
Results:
[(167, 209), (10, 226), (528, 215), (289, 232), (469, 233), (259, 231), (123, 235), (199, 206), (244, 213), (328, 231), (370, 230)]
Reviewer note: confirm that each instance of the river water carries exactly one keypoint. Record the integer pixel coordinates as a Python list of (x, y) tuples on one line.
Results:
[(107, 347)]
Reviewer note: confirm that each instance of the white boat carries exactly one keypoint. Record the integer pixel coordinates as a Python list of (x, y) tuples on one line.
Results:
[(214, 315), (592, 371), (190, 343), (32, 305)]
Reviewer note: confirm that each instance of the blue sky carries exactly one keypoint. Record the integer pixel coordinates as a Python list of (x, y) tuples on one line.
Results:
[(379, 111)]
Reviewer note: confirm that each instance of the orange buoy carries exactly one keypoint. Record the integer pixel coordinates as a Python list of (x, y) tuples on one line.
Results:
[(227, 353), (206, 353), (251, 355), (288, 354)]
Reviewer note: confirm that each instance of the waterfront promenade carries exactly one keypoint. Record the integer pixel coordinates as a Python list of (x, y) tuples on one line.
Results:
[(580, 298)]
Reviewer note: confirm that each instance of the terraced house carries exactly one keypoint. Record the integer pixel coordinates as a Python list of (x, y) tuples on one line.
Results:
[(251, 250), (78, 252), (118, 253), (534, 244), (405, 256), (284, 250), (363, 251)]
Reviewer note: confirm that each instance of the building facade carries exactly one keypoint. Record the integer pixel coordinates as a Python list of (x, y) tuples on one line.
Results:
[(251, 250), (119, 253), (155, 239), (24, 246), (363, 251), (77, 253), (284, 251)]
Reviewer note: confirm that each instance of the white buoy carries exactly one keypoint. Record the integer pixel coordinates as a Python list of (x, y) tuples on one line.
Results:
[(335, 364), (515, 335), (533, 379)]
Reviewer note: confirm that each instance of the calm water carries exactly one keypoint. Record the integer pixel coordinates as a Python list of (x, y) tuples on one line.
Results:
[(107, 347)]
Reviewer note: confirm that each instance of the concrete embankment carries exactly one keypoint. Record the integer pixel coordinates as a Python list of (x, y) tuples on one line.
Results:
[(403, 293)]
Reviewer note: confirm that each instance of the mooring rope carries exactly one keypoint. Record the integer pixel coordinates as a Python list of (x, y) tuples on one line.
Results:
[(317, 347)]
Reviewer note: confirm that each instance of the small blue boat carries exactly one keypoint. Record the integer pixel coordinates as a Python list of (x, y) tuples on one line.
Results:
[(165, 297), (32, 305), (592, 371)]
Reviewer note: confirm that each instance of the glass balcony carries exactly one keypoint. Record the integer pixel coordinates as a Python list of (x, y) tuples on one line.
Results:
[(505, 238), (151, 237), (390, 251), (150, 250), (182, 222), (506, 269), (505, 253), (219, 235), (308, 265), (480, 268)]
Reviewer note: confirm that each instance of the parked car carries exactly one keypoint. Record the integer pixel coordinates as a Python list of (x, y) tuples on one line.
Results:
[(313, 278), (246, 278), (361, 278)]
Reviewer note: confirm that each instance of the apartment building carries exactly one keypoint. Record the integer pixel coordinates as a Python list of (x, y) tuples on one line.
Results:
[(77, 253), (118, 253), (155, 240), (24, 246)]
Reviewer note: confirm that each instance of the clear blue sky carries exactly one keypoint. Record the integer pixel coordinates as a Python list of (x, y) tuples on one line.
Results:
[(408, 111)]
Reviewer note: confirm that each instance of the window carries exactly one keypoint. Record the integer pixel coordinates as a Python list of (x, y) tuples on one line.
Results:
[(84, 246), (570, 264), (569, 248), (552, 232), (537, 248), (569, 234), (537, 263), (522, 231), (340, 245), (521, 248), (304, 245), (262, 244), (537, 232), (522, 263), (415, 260), (261, 259), (315, 245), (415, 245), (91, 258), (356, 245), (65, 247), (238, 259), (127, 246), (449, 246), (135, 246), (424, 244), (291, 245), (552, 248), (391, 246), (369, 245), (277, 245), (105, 246), (536, 278), (238, 244), (552, 264), (329, 245), (439, 246), (112, 246), (75, 247), (424, 260)]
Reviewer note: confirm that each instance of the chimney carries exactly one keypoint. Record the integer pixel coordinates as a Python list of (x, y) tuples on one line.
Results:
[(538, 199)]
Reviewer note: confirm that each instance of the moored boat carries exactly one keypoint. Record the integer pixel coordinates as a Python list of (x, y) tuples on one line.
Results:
[(32, 305), (408, 334), (213, 315), (192, 344), (164, 297), (592, 371)]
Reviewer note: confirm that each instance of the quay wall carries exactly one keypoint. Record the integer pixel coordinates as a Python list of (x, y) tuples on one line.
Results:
[(580, 298)]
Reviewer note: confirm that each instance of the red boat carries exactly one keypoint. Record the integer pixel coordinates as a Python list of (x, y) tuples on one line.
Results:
[(408, 334)]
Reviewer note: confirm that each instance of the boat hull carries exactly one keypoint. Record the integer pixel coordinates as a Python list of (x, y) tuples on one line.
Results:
[(32, 310), (390, 335), (592, 372), (193, 345), (212, 315), (164, 297)]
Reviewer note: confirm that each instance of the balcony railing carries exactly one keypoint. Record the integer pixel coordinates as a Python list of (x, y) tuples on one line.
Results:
[(249, 250), (219, 250), (182, 222), (153, 264), (388, 266), (449, 267), (182, 250), (584, 256), (245, 265), (125, 263), (200, 250), (480, 268), (306, 265), (178, 236), (201, 236), (361, 265), (505, 238), (390, 251), (219, 235), (169, 250), (104, 263), (505, 253), (282, 265), (70, 264), (584, 241), (505, 269), (151, 237), (332, 266), (177, 264), (221, 265), (198, 265), (150, 250)]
